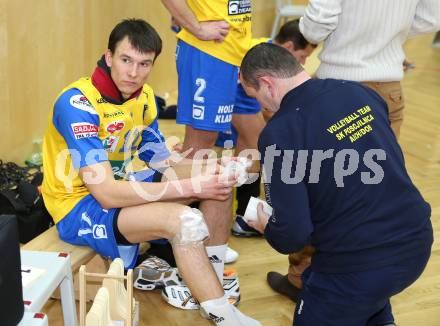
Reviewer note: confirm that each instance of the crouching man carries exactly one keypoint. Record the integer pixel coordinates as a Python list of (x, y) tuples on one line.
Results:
[(336, 179)]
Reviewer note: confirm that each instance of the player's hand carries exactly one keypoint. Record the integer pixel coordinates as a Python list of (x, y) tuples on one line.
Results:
[(238, 167), (215, 30), (261, 222), (213, 186)]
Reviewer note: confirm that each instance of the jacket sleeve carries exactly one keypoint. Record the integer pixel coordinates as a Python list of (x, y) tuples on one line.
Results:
[(426, 18), (290, 226), (320, 19)]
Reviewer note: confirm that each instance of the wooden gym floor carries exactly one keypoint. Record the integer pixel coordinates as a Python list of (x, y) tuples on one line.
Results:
[(419, 305)]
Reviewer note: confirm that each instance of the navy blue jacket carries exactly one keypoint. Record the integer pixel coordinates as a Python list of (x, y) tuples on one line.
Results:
[(335, 176)]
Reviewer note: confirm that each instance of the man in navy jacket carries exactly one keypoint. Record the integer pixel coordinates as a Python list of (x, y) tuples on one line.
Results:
[(336, 179)]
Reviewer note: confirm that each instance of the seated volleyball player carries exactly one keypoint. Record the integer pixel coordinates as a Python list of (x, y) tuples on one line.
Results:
[(96, 126)]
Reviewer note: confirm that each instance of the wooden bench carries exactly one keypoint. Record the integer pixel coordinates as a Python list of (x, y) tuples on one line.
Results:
[(79, 255), (50, 241)]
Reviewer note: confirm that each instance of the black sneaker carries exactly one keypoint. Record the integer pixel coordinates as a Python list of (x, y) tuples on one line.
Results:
[(280, 283), (241, 229)]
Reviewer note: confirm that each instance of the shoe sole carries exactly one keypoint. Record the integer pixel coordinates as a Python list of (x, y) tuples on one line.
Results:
[(148, 286), (245, 234)]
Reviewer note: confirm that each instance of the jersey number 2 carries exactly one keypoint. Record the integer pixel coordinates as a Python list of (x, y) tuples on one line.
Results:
[(201, 83)]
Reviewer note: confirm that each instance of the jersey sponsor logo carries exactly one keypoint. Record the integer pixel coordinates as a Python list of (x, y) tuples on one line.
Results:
[(81, 102), (115, 126), (101, 100), (239, 7), (198, 112), (110, 143), (225, 109), (113, 114), (241, 20), (84, 130), (223, 118), (224, 114), (99, 231)]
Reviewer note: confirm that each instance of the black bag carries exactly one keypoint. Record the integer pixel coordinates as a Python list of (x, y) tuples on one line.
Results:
[(26, 203), (19, 196), (11, 293)]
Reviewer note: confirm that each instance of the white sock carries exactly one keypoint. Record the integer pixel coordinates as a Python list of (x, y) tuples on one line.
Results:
[(222, 313), (216, 255)]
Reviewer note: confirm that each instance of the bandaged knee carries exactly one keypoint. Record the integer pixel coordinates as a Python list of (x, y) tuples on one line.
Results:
[(193, 228)]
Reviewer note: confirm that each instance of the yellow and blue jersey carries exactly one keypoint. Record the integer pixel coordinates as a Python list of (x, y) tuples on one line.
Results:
[(237, 13), (85, 129)]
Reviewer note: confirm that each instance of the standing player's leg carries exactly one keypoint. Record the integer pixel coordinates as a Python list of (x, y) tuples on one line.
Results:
[(249, 127), (207, 88), (196, 140), (206, 92), (248, 122)]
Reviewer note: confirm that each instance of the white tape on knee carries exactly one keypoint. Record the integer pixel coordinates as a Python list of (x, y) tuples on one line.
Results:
[(192, 228)]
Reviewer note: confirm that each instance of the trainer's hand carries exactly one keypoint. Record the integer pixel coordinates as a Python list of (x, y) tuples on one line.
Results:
[(261, 222), (215, 30)]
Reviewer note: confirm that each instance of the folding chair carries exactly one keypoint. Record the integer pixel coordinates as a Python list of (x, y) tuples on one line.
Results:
[(286, 9)]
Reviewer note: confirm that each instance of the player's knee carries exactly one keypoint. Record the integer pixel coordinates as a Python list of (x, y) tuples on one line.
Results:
[(191, 228)]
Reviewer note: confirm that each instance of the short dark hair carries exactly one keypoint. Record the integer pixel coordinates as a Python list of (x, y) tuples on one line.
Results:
[(142, 36), (290, 32), (267, 59)]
